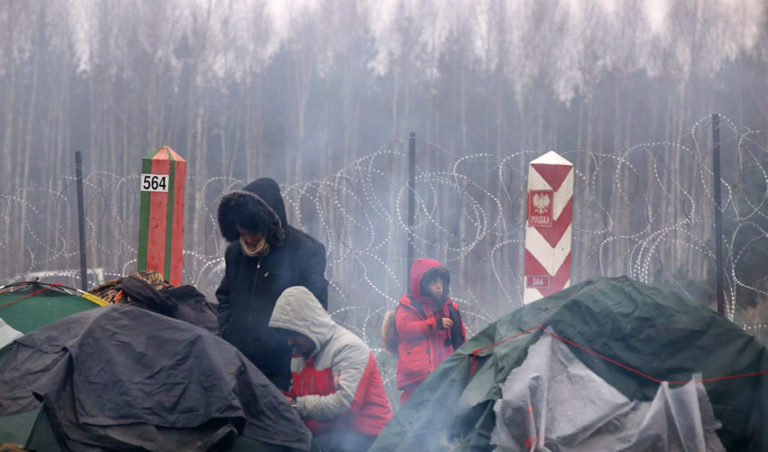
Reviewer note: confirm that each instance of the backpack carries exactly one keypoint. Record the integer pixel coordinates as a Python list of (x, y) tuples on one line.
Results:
[(389, 336)]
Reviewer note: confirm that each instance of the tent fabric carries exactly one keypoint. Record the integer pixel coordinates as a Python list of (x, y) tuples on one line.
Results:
[(8, 334), (554, 401), (31, 429), (655, 331), (27, 306), (124, 377)]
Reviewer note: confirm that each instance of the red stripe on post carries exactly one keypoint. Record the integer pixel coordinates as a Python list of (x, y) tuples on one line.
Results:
[(533, 266), (558, 280), (177, 235), (554, 174), (559, 225), (158, 212)]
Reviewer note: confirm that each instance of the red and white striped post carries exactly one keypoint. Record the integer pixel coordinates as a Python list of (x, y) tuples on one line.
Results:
[(161, 227), (548, 231)]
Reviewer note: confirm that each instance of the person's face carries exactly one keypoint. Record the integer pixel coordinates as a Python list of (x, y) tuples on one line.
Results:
[(300, 344), (436, 287), (251, 238)]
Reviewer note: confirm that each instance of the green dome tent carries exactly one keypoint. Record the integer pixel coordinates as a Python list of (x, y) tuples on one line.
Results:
[(24, 307), (637, 340)]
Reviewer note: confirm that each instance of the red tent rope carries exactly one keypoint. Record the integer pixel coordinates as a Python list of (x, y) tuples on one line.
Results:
[(473, 358), (30, 294)]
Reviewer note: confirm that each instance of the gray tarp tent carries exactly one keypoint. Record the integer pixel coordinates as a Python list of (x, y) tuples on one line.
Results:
[(554, 399), (122, 377)]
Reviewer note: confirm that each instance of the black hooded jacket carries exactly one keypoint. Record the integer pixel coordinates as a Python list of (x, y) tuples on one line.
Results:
[(251, 285)]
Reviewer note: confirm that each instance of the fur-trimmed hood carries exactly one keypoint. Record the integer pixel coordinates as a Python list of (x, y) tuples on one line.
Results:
[(257, 207), (422, 271)]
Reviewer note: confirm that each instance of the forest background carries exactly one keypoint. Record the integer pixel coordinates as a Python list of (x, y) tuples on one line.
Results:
[(322, 94)]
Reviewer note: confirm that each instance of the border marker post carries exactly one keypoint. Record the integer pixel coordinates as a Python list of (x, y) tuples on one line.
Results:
[(161, 226), (548, 229)]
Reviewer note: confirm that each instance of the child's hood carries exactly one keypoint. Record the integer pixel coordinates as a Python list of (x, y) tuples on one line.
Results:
[(419, 268), (299, 311)]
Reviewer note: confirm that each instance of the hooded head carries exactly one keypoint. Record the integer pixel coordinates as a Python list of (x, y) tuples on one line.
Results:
[(425, 271), (298, 311), (257, 208)]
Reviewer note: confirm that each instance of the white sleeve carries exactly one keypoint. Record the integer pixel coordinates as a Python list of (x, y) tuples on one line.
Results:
[(348, 370)]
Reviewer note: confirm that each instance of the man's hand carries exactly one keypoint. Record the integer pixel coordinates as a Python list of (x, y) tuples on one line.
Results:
[(447, 323)]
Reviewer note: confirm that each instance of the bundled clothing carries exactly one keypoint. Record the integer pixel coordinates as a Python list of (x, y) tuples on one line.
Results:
[(338, 389), (252, 283), (148, 290), (423, 342)]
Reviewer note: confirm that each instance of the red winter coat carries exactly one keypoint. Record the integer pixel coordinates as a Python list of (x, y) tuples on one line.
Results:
[(423, 343)]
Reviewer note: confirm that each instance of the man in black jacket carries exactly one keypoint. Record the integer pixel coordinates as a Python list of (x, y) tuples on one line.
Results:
[(265, 256)]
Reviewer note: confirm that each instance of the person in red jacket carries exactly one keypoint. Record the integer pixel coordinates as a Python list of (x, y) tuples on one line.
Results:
[(337, 388), (429, 325)]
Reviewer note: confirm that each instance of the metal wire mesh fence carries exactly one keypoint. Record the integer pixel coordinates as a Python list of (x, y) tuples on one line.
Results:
[(646, 212)]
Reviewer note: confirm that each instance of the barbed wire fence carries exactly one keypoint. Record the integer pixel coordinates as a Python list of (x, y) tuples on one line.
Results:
[(645, 212)]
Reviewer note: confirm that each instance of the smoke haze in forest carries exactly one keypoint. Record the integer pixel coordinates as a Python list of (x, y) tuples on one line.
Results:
[(306, 91)]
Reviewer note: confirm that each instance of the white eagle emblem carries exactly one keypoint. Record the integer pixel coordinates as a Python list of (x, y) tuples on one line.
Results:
[(541, 203)]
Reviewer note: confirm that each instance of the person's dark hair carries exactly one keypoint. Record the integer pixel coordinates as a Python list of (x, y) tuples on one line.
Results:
[(250, 213), (431, 275), (257, 220), (285, 333)]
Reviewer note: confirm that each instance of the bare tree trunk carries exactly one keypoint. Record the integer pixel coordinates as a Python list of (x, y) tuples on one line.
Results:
[(8, 121), (463, 106), (394, 104), (302, 81), (540, 142), (28, 128), (199, 146), (618, 114), (58, 137), (254, 123)]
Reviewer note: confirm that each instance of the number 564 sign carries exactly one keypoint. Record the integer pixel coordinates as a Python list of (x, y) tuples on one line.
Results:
[(154, 182)]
